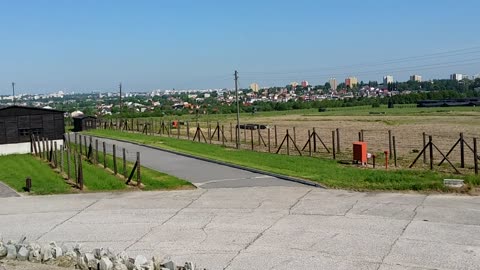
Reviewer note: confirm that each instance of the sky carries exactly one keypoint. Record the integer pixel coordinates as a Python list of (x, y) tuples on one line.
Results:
[(90, 45)]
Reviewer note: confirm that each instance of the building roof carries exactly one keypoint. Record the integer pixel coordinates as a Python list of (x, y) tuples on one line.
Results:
[(84, 116), (29, 108)]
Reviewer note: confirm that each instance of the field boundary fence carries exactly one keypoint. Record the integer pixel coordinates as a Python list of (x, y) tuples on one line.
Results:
[(448, 152)]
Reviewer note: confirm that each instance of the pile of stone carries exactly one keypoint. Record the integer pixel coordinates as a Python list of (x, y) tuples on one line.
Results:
[(97, 259)]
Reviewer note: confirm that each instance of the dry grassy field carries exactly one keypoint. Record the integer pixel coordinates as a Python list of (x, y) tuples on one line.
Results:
[(407, 124)]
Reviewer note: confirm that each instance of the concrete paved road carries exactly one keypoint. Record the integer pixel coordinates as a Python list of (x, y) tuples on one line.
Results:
[(201, 173), (6, 191), (261, 227)]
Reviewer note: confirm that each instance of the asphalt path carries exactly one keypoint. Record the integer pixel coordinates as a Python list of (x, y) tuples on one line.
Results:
[(260, 227), (201, 173)]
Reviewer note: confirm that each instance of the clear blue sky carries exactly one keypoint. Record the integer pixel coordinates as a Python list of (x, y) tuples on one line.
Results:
[(49, 45)]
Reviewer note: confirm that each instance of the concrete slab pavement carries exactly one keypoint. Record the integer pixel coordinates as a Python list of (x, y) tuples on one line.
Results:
[(6, 191), (261, 228)]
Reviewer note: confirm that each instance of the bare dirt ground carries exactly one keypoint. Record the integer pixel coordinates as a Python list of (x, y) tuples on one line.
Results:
[(408, 132)]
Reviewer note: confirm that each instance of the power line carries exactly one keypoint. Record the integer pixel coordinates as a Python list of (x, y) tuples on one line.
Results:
[(392, 70), (446, 54)]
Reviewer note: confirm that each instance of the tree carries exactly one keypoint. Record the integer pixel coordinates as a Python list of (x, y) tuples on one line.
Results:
[(327, 86)]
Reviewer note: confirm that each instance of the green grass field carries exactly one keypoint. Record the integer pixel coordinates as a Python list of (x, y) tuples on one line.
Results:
[(325, 171), (14, 169)]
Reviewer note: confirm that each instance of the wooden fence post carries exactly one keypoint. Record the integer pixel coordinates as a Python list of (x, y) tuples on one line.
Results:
[(462, 151), (75, 164), (139, 178), (124, 163), (51, 152), (61, 159), (475, 155), (390, 150), (86, 146), (76, 140), (114, 150), (288, 143), (188, 130), (80, 147), (231, 132), (80, 172), (39, 146), (430, 144), (223, 136), (275, 134), (310, 144), (251, 137), (55, 161), (394, 151), (333, 144), (104, 155), (424, 144), (314, 140), (294, 135)]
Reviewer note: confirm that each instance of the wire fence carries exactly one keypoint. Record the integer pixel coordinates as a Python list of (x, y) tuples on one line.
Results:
[(71, 155), (395, 147)]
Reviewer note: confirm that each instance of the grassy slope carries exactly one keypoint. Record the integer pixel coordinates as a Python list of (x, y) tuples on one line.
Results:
[(15, 168), (151, 179), (325, 171)]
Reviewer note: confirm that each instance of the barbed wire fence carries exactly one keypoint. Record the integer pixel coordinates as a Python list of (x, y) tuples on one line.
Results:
[(337, 143)]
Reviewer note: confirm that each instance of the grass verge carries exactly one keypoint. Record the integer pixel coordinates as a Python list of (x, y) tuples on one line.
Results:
[(151, 179), (14, 169), (325, 171)]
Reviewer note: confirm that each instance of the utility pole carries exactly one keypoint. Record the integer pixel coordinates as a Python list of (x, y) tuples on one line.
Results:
[(120, 98), (237, 130), (13, 89)]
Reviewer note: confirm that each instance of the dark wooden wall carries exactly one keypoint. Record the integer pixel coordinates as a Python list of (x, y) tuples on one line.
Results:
[(17, 123)]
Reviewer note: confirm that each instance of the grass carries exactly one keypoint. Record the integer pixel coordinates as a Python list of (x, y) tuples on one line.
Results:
[(399, 109), (151, 179), (14, 169), (325, 171)]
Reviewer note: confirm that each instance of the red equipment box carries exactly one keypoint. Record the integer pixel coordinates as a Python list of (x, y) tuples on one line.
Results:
[(360, 152)]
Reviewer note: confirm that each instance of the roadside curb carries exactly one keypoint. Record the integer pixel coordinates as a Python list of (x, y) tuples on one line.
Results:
[(280, 176)]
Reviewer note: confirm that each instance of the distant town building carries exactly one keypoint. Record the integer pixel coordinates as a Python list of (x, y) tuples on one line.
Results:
[(456, 77), (387, 79), (416, 78), (255, 87), (333, 84), (294, 84), (305, 84), (351, 82)]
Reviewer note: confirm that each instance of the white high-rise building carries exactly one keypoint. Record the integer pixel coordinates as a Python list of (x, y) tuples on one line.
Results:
[(333, 84), (456, 77), (387, 79), (416, 78)]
